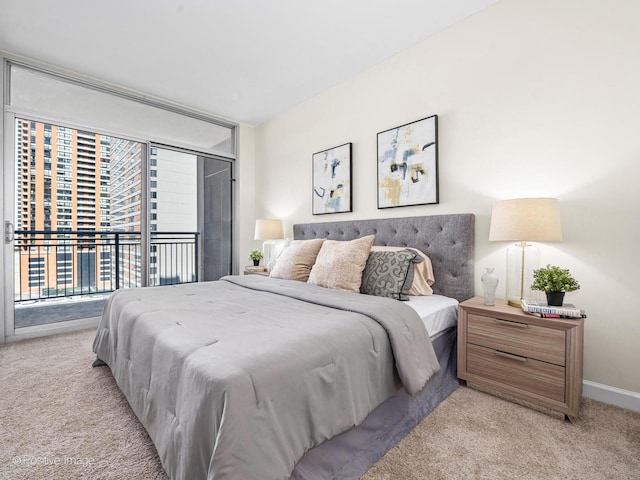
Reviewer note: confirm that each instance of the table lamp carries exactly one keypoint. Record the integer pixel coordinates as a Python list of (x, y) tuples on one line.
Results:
[(523, 220), (269, 229)]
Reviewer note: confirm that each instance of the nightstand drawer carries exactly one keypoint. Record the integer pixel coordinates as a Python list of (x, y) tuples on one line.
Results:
[(523, 373), (525, 340)]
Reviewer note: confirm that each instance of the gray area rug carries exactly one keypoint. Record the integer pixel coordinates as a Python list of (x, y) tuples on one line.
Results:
[(62, 419)]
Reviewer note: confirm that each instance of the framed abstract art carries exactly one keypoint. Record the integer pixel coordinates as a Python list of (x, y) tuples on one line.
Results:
[(332, 180), (408, 164)]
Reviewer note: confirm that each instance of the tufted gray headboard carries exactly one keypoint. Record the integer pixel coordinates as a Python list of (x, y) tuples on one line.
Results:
[(448, 240)]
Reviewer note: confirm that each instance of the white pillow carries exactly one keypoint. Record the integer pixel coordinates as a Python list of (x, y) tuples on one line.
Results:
[(296, 260), (339, 264)]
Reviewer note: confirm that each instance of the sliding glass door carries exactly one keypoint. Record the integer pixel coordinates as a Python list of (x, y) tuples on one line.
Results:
[(75, 223)]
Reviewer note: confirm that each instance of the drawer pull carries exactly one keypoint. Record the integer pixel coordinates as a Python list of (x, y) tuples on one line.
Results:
[(511, 324), (512, 357)]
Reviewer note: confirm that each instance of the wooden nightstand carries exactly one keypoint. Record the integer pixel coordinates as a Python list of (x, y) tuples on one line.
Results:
[(249, 271), (503, 350)]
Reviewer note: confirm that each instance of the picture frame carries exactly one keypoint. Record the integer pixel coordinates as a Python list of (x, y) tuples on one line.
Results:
[(331, 184), (407, 164)]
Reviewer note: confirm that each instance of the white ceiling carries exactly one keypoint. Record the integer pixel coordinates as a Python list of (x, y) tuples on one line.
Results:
[(245, 60)]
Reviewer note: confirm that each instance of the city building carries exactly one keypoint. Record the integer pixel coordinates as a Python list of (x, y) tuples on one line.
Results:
[(62, 190)]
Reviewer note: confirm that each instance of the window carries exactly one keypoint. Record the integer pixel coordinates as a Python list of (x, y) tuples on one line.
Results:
[(64, 269), (36, 272), (86, 189)]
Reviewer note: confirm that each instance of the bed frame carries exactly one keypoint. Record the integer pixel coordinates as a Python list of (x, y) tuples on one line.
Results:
[(448, 240)]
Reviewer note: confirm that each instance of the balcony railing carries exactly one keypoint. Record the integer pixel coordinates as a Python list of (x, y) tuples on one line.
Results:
[(56, 263)]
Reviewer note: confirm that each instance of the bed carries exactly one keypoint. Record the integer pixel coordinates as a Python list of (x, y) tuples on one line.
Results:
[(306, 404)]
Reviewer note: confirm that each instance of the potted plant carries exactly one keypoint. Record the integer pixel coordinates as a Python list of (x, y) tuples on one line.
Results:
[(554, 281), (256, 255)]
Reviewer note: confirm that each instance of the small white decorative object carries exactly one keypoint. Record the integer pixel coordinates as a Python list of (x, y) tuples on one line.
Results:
[(489, 285)]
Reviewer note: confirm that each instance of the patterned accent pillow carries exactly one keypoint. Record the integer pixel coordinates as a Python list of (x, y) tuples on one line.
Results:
[(386, 274), (296, 260), (340, 263), (422, 272)]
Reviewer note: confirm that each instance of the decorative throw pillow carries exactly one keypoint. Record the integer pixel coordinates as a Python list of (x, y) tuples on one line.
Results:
[(339, 264), (422, 272), (389, 274), (296, 260)]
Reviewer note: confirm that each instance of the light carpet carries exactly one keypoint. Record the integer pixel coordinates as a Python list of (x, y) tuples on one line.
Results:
[(62, 419)]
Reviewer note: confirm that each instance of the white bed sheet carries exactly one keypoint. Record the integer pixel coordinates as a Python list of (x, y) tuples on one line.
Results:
[(436, 311)]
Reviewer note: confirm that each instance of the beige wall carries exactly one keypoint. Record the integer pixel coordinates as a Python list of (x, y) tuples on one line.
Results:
[(535, 98)]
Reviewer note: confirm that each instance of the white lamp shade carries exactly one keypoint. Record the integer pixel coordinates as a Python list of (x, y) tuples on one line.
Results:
[(526, 219), (269, 229)]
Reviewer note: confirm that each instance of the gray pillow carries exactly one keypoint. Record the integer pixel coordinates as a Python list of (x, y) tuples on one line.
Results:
[(389, 274)]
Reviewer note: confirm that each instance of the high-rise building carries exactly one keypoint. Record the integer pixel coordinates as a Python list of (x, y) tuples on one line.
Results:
[(173, 207), (126, 185), (126, 199), (62, 185)]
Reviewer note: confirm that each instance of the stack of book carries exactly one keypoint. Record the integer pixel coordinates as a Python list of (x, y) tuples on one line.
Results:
[(540, 309), (255, 269)]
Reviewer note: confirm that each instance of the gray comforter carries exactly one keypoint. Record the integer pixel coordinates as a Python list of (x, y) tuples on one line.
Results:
[(236, 379)]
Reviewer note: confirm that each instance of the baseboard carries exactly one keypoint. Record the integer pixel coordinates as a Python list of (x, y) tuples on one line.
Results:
[(611, 395)]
